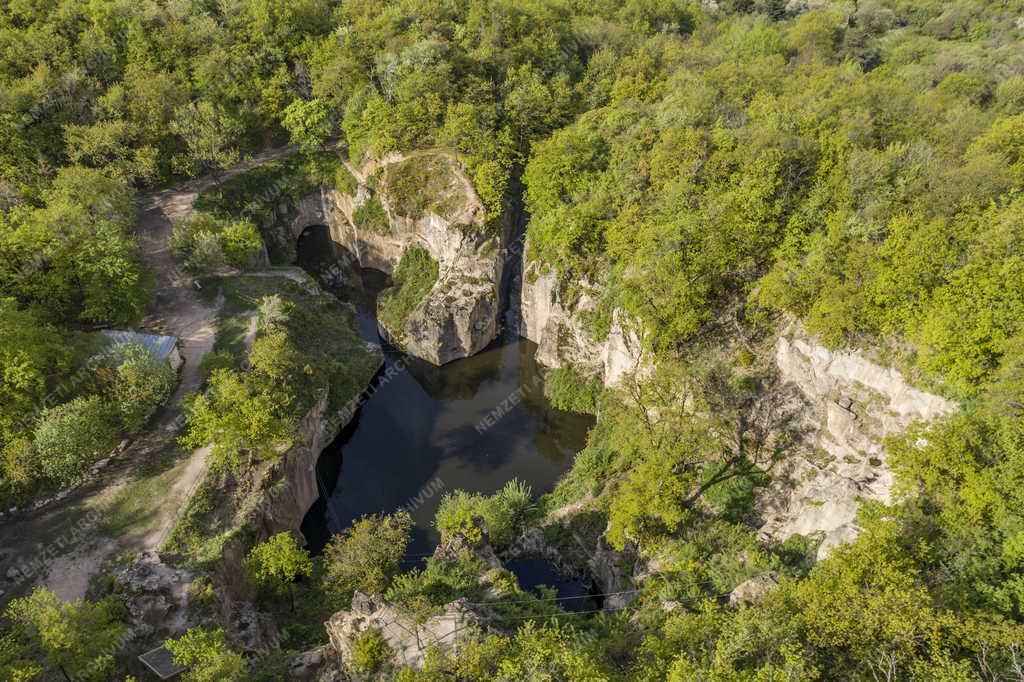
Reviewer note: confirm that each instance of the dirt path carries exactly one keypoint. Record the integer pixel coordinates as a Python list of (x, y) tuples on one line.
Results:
[(63, 544)]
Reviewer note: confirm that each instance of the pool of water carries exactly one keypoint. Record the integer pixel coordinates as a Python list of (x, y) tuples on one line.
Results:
[(472, 424), (572, 594)]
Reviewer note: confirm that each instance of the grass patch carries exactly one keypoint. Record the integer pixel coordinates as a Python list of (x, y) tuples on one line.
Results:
[(133, 509), (371, 216), (414, 277), (566, 388), (421, 184)]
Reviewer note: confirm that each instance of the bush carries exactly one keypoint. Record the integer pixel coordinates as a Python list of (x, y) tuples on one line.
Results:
[(366, 555), (503, 512), (141, 384), (567, 389), (414, 278), (206, 242), (344, 181), (73, 436), (370, 653), (207, 655), (371, 216)]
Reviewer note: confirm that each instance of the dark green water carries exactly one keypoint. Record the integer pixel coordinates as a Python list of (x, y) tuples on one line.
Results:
[(472, 424)]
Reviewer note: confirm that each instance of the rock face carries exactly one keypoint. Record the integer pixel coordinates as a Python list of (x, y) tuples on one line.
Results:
[(754, 591), (556, 321), (156, 596), (407, 640), (290, 488), (852, 405), (429, 202), (587, 559)]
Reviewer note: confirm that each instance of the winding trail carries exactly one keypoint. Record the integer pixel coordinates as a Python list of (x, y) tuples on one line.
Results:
[(64, 544)]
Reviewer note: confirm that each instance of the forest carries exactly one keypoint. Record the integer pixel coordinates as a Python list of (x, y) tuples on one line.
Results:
[(713, 171)]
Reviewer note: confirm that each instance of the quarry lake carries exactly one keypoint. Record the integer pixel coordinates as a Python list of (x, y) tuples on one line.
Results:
[(472, 424)]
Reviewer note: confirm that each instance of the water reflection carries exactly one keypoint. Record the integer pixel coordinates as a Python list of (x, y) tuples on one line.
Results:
[(472, 424)]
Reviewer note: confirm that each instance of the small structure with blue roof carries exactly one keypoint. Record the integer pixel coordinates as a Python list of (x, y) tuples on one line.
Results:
[(162, 348)]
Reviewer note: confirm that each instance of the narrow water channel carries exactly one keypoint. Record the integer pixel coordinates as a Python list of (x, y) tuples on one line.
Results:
[(472, 424)]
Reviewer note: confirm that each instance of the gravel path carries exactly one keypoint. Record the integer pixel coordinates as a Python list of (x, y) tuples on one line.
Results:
[(60, 545)]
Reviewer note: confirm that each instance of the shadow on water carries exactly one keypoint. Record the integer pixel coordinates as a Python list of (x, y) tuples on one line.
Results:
[(472, 424)]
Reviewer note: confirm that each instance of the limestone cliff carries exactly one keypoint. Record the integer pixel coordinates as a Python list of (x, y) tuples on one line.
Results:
[(554, 315), (851, 405), (426, 200)]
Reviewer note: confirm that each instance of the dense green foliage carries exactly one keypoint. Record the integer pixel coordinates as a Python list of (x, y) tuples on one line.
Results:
[(138, 384), (370, 653), (208, 656), (414, 277), (72, 436), (366, 555), (371, 216), (278, 562), (66, 261), (305, 344), (78, 638), (568, 389), (706, 172), (503, 513), (204, 242)]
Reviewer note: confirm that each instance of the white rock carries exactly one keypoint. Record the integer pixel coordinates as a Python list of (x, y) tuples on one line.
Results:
[(851, 405)]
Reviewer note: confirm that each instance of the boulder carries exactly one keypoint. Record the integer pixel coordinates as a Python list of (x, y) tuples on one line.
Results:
[(157, 598), (754, 590)]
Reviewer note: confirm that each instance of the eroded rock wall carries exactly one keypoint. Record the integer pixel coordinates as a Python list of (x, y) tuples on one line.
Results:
[(407, 639), (289, 489), (851, 405), (459, 316), (554, 316)]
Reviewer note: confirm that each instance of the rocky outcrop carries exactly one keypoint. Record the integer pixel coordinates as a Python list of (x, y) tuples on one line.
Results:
[(407, 639), (429, 202), (458, 543), (554, 315), (288, 489), (320, 664), (852, 405), (156, 597), (754, 591)]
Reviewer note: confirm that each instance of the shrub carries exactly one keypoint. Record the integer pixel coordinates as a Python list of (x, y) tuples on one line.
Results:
[(141, 384), (71, 437), (344, 181), (205, 242), (370, 653), (277, 562), (239, 418), (503, 512), (366, 555), (567, 389), (207, 655), (371, 216), (414, 278)]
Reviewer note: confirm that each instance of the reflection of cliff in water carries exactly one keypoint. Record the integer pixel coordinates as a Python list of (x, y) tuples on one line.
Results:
[(472, 424)]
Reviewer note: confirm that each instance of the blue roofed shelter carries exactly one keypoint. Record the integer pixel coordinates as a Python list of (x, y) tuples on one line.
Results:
[(162, 348)]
